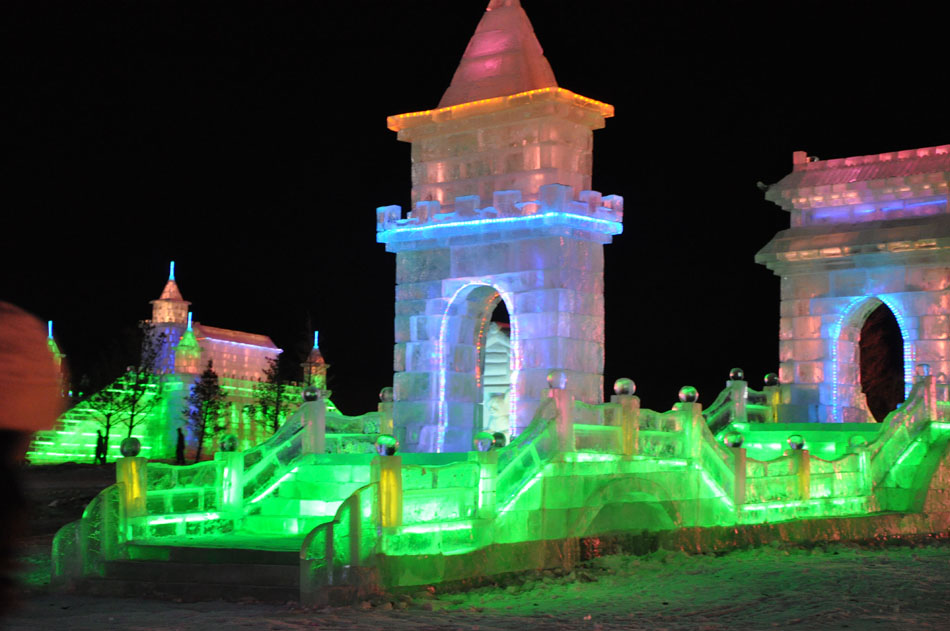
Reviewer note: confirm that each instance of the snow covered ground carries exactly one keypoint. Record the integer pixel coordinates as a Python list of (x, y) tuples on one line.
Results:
[(832, 587)]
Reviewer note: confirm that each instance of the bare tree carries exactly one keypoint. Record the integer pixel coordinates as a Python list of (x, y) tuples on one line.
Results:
[(109, 406), (205, 404), (142, 387), (273, 396)]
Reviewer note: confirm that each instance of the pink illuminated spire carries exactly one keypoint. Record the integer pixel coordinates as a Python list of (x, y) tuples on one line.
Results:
[(503, 57)]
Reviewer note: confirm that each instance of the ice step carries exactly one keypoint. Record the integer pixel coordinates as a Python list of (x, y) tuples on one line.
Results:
[(276, 524), (286, 554), (299, 508), (194, 573), (269, 575)]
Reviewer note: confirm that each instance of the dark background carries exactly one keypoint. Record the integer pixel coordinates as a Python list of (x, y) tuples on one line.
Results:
[(247, 141)]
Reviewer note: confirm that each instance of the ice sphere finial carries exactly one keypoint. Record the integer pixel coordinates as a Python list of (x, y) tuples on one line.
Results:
[(688, 394), (49, 329), (796, 442), (171, 270), (733, 439), (771, 379), (483, 441), (130, 447), (229, 442), (387, 394), (624, 386), (557, 380), (736, 374), (386, 445)]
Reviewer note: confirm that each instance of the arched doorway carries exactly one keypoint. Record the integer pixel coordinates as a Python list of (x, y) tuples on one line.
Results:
[(872, 360), (474, 330), (494, 373), (881, 362)]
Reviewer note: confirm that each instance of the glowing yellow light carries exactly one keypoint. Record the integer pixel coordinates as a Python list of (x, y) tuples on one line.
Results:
[(402, 121)]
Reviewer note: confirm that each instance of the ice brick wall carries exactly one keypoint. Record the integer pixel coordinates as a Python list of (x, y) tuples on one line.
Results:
[(519, 142), (553, 289)]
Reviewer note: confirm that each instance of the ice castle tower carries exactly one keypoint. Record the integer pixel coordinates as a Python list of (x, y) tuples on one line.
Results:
[(502, 211)]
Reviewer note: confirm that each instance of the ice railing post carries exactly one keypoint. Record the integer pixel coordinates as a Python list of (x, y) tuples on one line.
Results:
[(132, 480), (733, 442), (486, 456), (624, 390), (693, 422), (943, 392), (930, 391), (230, 476), (386, 471), (557, 391), (385, 409), (314, 420), (801, 464), (739, 387), (773, 395)]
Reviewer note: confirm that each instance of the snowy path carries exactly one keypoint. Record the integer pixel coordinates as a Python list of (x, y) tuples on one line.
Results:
[(840, 587)]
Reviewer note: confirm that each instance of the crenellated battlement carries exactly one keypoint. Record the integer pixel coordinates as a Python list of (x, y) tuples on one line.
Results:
[(604, 213)]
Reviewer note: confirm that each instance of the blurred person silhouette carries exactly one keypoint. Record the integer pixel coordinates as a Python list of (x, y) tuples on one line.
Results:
[(30, 400), (100, 457), (180, 449)]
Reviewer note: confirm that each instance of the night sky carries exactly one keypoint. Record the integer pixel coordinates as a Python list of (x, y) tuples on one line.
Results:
[(247, 141)]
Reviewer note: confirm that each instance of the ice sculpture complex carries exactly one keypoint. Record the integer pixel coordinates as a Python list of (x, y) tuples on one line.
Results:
[(502, 211)]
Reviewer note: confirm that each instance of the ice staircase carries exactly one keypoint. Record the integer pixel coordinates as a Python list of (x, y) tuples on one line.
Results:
[(308, 494), (73, 438)]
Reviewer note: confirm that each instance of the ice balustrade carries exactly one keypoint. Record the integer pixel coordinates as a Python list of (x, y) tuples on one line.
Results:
[(903, 433), (340, 551), (439, 502), (738, 403), (82, 547), (213, 497), (799, 484), (436, 507)]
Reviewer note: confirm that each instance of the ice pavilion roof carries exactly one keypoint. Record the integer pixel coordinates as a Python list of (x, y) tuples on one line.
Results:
[(503, 57), (203, 331), (810, 176)]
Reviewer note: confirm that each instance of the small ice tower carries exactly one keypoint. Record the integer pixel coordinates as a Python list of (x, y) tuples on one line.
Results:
[(58, 357), (315, 368), (188, 352), (501, 212), (169, 316)]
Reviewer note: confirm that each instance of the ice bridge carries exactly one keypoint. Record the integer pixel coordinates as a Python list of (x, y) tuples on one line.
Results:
[(286, 519)]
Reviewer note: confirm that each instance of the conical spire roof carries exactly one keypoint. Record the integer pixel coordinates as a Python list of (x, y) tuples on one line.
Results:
[(503, 57), (171, 291)]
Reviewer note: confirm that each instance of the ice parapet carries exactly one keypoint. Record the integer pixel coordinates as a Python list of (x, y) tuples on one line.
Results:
[(554, 204)]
